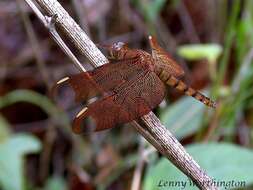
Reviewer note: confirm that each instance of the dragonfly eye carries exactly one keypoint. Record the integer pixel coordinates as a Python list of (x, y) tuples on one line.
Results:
[(118, 46)]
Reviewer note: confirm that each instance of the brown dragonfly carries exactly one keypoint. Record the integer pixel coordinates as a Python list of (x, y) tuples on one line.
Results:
[(129, 86)]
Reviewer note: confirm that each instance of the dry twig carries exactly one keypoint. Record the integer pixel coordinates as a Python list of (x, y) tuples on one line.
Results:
[(34, 43)]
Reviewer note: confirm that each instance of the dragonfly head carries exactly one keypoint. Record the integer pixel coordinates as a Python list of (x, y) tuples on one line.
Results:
[(118, 46), (116, 49)]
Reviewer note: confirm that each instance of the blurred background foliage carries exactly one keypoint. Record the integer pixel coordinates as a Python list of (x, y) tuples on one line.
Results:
[(212, 40)]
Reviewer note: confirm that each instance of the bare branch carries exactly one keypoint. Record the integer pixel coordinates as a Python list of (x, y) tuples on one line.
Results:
[(148, 126), (49, 23), (34, 43)]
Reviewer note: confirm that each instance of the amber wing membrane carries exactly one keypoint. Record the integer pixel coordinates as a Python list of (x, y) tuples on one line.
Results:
[(129, 89), (104, 78), (132, 99)]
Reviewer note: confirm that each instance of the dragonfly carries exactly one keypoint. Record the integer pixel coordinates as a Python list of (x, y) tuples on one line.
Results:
[(129, 86)]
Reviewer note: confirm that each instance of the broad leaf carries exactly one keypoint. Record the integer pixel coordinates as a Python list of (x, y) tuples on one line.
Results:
[(190, 113), (55, 183), (150, 9), (12, 151), (4, 129), (211, 52), (224, 162), (36, 99)]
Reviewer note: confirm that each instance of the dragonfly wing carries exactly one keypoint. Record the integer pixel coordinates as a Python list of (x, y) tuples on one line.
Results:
[(84, 86), (131, 100), (114, 73), (139, 96), (104, 78), (102, 113)]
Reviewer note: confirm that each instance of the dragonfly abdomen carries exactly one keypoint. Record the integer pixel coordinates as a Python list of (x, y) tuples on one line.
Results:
[(181, 86)]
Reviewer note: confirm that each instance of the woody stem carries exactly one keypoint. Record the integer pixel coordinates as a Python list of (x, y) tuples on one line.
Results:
[(49, 23)]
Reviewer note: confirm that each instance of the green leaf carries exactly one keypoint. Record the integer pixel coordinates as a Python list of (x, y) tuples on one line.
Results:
[(36, 99), (12, 152), (149, 8), (28, 96), (190, 113), (55, 183), (211, 52), (222, 161), (4, 129)]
